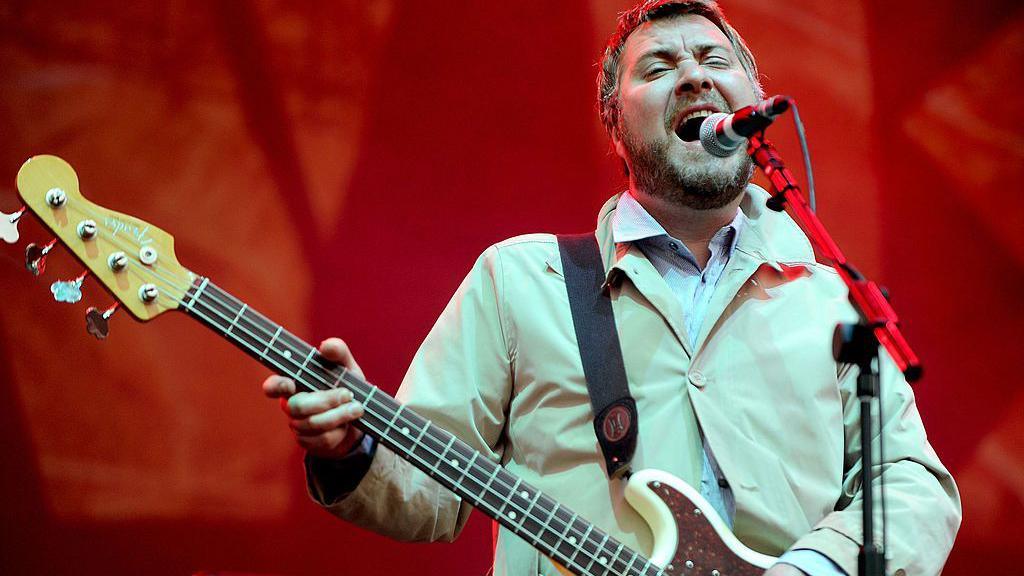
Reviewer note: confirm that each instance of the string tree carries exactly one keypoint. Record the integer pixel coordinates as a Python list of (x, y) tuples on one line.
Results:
[(148, 255), (126, 255)]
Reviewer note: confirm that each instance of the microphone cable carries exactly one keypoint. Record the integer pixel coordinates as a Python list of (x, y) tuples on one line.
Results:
[(801, 135)]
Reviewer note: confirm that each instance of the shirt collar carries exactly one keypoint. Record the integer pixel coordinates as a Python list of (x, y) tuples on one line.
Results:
[(632, 223)]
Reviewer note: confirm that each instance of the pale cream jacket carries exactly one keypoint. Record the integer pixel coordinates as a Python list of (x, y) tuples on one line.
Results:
[(502, 371)]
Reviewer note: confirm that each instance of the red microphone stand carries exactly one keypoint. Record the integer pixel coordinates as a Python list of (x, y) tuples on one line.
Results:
[(856, 344)]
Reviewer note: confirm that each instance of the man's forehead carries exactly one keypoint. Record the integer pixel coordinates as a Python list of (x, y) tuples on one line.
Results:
[(674, 32)]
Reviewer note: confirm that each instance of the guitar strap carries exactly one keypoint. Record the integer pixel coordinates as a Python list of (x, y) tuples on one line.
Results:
[(615, 417)]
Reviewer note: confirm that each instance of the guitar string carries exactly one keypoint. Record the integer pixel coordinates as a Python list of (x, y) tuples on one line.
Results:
[(485, 485), (529, 513), (544, 525)]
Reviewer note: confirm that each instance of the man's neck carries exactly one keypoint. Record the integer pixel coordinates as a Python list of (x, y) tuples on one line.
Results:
[(692, 227)]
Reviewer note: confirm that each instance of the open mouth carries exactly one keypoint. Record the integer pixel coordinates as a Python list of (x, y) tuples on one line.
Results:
[(688, 129)]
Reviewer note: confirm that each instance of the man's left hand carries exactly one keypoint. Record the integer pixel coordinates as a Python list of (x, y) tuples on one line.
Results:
[(784, 570)]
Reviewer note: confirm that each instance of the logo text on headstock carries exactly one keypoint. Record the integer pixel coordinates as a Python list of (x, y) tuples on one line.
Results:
[(117, 225)]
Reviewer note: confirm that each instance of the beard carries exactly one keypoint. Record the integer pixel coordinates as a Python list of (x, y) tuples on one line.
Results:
[(693, 179)]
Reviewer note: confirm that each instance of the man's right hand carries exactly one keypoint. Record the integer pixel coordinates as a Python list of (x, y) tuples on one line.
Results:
[(321, 420)]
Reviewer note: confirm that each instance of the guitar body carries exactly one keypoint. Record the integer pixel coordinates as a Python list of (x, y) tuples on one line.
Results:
[(689, 536)]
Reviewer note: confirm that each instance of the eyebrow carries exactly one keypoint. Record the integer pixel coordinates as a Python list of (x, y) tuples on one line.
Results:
[(665, 53)]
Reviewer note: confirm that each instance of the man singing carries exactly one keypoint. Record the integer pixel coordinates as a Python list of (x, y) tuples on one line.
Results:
[(725, 322)]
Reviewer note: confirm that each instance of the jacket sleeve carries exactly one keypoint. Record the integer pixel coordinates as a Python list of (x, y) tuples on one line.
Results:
[(922, 502), (460, 379)]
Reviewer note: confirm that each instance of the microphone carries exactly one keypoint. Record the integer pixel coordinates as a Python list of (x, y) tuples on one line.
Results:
[(723, 134)]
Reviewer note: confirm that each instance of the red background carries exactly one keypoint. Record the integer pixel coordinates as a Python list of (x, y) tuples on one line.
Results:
[(339, 165)]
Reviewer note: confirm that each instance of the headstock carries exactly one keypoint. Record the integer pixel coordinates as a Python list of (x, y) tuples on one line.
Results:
[(133, 259)]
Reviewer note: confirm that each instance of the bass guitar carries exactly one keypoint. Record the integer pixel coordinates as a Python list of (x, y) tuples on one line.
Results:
[(136, 262)]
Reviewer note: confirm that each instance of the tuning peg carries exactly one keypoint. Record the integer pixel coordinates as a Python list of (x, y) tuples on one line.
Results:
[(35, 257), (96, 321), (69, 291), (9, 226)]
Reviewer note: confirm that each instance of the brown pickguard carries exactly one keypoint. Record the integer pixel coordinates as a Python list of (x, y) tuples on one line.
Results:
[(699, 543)]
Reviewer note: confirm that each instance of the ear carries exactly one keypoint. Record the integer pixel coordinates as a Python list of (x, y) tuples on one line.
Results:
[(620, 147)]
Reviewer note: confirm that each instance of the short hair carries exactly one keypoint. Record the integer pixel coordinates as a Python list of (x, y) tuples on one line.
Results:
[(648, 11)]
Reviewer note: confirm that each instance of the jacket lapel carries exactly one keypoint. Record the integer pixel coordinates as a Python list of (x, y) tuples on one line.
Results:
[(649, 283), (747, 257)]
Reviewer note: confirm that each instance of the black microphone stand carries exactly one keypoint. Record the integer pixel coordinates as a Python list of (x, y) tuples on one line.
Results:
[(856, 344)]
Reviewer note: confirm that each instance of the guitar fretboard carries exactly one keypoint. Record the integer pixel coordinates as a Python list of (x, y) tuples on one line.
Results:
[(550, 527)]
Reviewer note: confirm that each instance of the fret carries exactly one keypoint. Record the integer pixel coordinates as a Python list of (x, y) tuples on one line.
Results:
[(391, 423), (565, 535), (237, 316), (582, 542), (248, 326), (462, 466), (214, 311), (195, 295), (466, 468), (300, 372), (518, 506), (569, 560), (546, 525), (597, 557), (487, 494), (487, 485), (369, 396), (529, 509), (288, 345), (270, 344), (480, 494), (512, 515), (424, 431), (454, 462), (339, 374), (632, 558)]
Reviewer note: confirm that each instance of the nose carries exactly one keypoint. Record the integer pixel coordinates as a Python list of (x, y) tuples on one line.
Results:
[(693, 79)]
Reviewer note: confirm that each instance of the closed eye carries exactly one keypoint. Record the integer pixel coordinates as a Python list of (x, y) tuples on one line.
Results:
[(656, 71)]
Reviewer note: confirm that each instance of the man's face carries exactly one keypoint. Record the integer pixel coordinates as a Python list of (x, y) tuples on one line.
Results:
[(673, 72)]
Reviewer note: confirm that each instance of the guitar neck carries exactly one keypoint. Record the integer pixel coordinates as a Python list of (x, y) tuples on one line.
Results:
[(552, 528)]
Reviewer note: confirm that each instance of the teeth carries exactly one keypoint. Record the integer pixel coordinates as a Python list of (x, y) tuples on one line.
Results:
[(697, 114)]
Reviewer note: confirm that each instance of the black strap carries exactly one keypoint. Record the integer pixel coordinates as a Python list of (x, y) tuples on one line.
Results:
[(615, 418)]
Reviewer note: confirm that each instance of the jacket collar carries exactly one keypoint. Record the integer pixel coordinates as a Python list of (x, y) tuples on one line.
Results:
[(769, 237)]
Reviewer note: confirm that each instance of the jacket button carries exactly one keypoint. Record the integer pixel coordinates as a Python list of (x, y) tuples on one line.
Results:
[(697, 379)]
